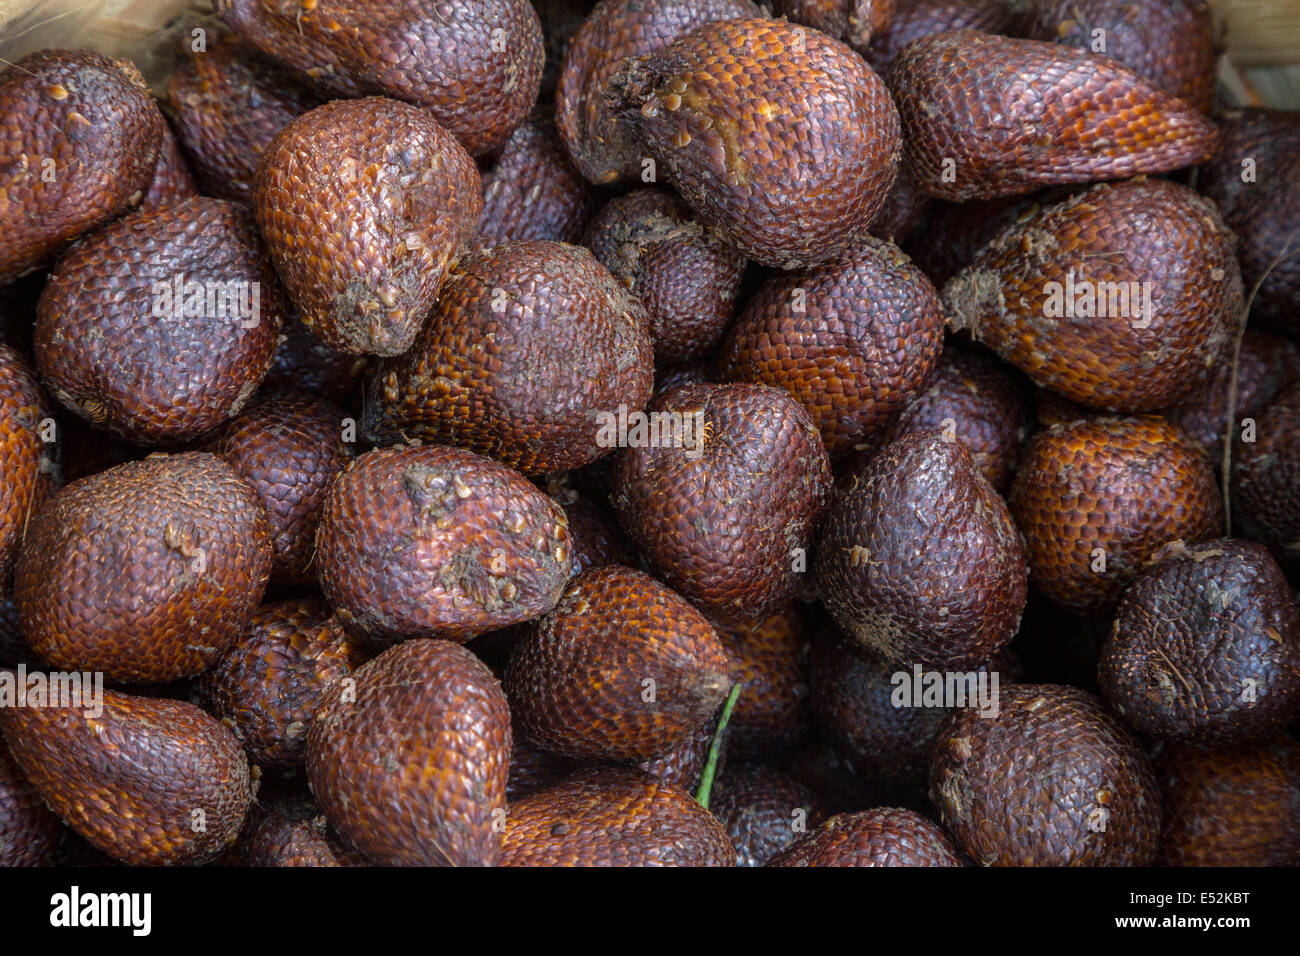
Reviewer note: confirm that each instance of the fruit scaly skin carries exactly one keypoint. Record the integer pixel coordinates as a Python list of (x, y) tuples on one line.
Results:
[(887, 836), (601, 148), (780, 138), (291, 833), (914, 19), (111, 347), (723, 525), (29, 833), (304, 362), (412, 770), (427, 540), (593, 527), (529, 343), (1168, 42), (578, 681), (1052, 780), (230, 101), (770, 657), (362, 204), (1263, 212), (132, 779), (1206, 646), (27, 463), (93, 117), (764, 811), (919, 559), (613, 817), (1116, 243), (533, 191), (687, 280), (852, 340), (1015, 115), (1230, 806), (1125, 486), (271, 684), (172, 180), (475, 65), (855, 22), (683, 766), (148, 571), (1266, 481)]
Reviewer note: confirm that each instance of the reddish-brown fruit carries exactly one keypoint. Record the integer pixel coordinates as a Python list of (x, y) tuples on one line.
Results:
[(1255, 180), (363, 204), (726, 507), (427, 540), (28, 462), (610, 817), (1096, 498), (770, 658), (161, 326), (764, 811), (777, 136), (533, 190), (887, 836), (1230, 806), (532, 344), (29, 833), (80, 142), (914, 19), (172, 181), (601, 147), (919, 559), (683, 766), (904, 208), (685, 277), (291, 833), (475, 65), (852, 341), (411, 768), (532, 768), (148, 571), (621, 669), (986, 116), (1206, 646), (230, 102), (135, 778), (304, 362), (1266, 481), (1170, 43), (288, 446), (596, 537), (1052, 780), (269, 687), (950, 234), (974, 399), (1124, 297), (855, 22)]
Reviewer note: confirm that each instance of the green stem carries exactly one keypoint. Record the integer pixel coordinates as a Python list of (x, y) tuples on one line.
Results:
[(715, 748)]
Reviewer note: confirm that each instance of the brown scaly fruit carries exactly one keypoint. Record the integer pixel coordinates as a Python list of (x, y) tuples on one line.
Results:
[(530, 344), (1052, 780), (291, 833), (1206, 646), (919, 559), (1266, 481), (986, 116), (683, 766), (594, 533), (613, 817), (950, 234), (887, 836), (288, 446), (685, 277), (533, 191), (1168, 42), (134, 779), (411, 767), (269, 687), (532, 768), (1230, 806), (601, 147), (1095, 499), (363, 204), (78, 148), (230, 101), (852, 341), (475, 65), (161, 326), (1255, 180), (148, 571), (770, 658), (780, 138), (29, 833), (1125, 297), (304, 362), (28, 463), (172, 181), (725, 510), (764, 811), (621, 669), (903, 210), (914, 19), (426, 540), (855, 22)]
